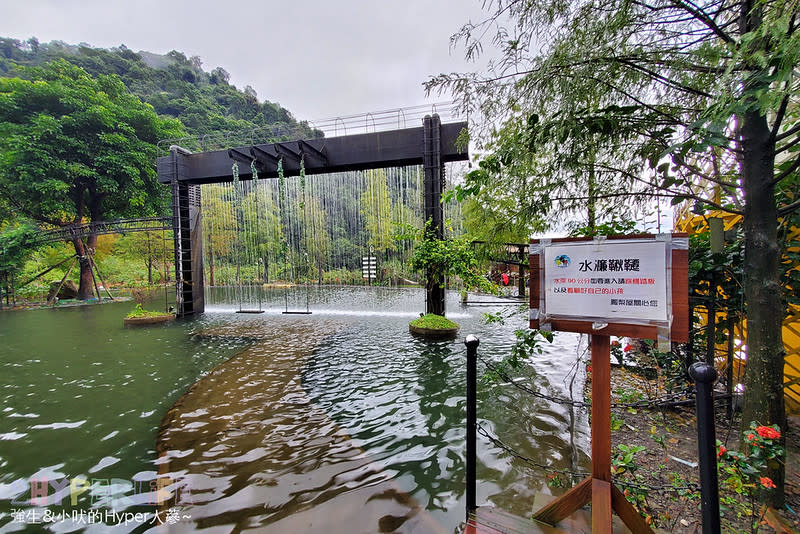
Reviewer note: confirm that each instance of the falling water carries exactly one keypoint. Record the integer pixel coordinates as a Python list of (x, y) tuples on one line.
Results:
[(287, 233)]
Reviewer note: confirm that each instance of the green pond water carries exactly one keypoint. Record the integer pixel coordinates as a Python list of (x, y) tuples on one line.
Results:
[(294, 422)]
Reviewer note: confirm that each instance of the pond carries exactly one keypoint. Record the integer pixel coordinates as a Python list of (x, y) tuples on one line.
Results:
[(334, 421)]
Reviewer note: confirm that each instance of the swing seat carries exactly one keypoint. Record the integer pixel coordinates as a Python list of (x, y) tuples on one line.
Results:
[(296, 312), (250, 311)]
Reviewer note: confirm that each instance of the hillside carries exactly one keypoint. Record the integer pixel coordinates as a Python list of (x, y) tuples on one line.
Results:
[(173, 84)]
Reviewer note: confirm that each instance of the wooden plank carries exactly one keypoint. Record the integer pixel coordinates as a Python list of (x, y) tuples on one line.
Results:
[(490, 520), (601, 407), (566, 504), (601, 507), (625, 510)]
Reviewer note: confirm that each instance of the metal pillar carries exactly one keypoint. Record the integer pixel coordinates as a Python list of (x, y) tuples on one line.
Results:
[(472, 343), (187, 235), (432, 165), (704, 376)]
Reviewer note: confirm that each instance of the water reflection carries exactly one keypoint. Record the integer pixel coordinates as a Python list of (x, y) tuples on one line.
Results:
[(337, 421)]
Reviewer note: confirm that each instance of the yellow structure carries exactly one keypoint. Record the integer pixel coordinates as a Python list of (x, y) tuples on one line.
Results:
[(685, 221)]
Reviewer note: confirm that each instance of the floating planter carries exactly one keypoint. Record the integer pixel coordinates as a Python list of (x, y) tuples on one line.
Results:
[(139, 317), (433, 326)]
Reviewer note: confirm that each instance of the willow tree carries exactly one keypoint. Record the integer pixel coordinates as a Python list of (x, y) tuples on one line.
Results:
[(75, 148), (694, 96)]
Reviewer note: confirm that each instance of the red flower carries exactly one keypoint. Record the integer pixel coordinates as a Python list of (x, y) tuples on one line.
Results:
[(767, 482), (615, 343), (628, 348), (767, 432), (722, 451), (750, 436), (589, 368)]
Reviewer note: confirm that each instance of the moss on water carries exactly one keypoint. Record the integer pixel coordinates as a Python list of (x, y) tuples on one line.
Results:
[(139, 312), (434, 322)]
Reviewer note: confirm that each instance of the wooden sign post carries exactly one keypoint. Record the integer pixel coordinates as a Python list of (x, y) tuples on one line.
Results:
[(634, 286)]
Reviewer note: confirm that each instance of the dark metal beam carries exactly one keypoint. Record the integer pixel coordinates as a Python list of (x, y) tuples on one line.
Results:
[(239, 156), (286, 152), (306, 149), (264, 157), (395, 148)]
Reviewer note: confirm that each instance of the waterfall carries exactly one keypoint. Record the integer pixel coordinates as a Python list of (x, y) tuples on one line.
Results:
[(273, 234)]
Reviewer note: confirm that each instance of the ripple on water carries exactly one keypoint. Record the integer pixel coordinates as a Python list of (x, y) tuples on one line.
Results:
[(270, 456), (343, 422), (106, 461), (55, 426)]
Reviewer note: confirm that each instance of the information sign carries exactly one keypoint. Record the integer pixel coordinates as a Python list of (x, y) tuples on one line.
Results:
[(635, 286), (369, 267), (614, 280)]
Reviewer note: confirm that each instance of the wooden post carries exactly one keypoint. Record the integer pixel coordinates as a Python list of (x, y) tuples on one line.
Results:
[(105, 286), (601, 434), (598, 489), (604, 497), (53, 298)]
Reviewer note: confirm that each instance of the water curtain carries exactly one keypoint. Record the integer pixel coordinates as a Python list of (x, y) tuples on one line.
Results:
[(313, 229)]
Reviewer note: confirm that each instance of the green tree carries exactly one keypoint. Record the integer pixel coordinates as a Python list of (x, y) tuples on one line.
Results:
[(219, 228), (696, 95), (316, 238), (263, 230), (75, 148), (152, 248), (438, 259), (15, 249)]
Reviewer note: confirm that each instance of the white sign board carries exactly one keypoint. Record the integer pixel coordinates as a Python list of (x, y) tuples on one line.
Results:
[(616, 280), (369, 267)]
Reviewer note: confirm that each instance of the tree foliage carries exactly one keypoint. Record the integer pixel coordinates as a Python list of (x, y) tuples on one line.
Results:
[(377, 208), (443, 258), (15, 239), (692, 100), (176, 86), (73, 146), (76, 148)]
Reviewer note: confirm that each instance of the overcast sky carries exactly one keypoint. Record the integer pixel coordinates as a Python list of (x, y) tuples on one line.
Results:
[(317, 58)]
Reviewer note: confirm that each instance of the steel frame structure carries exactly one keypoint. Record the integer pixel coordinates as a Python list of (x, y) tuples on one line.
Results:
[(431, 145)]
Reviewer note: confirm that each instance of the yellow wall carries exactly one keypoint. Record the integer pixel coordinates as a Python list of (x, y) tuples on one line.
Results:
[(691, 224)]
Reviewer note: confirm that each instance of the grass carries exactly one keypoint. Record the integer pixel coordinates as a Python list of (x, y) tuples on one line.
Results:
[(434, 322), (138, 312)]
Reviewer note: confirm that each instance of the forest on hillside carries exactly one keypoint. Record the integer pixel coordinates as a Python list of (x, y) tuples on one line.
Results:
[(176, 86), (81, 128)]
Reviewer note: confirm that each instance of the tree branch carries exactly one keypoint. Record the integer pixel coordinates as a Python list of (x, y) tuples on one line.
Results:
[(779, 118), (27, 212), (646, 194), (663, 79), (788, 133), (670, 192), (793, 167), (701, 16), (787, 209)]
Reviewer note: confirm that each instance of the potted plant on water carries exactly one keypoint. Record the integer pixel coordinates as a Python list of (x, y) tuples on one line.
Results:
[(140, 316), (437, 259)]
